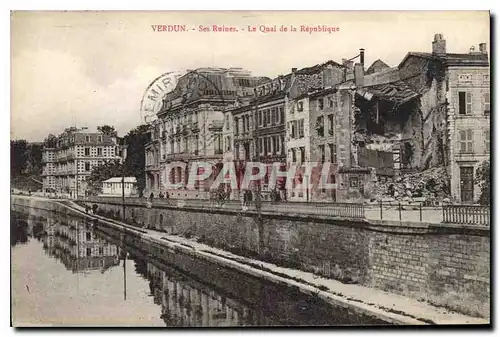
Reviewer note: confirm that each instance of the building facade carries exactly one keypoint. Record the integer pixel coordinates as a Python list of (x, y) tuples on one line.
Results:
[(113, 186), (190, 128), (456, 112), (305, 122), (67, 165)]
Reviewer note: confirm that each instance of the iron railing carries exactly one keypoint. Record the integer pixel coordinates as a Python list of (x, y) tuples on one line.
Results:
[(467, 214), (343, 210)]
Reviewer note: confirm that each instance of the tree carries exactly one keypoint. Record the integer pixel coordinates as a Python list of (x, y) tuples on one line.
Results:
[(135, 162), (101, 173), (34, 159), (18, 157), (483, 175), (136, 139), (50, 141), (107, 130)]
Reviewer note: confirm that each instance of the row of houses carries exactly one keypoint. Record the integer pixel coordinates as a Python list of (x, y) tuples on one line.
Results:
[(370, 123)]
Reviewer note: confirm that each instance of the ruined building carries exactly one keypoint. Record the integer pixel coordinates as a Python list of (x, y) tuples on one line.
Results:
[(432, 111)]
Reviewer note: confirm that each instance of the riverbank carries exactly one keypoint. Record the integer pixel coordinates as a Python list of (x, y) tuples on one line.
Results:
[(391, 308)]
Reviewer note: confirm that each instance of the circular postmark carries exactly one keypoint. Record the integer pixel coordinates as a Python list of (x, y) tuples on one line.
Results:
[(152, 99)]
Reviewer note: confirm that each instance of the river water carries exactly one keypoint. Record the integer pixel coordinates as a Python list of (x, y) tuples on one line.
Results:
[(66, 273)]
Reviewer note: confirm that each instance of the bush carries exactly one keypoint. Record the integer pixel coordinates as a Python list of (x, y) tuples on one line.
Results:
[(483, 174)]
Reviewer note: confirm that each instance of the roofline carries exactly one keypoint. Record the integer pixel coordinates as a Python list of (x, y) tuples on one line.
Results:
[(449, 63)]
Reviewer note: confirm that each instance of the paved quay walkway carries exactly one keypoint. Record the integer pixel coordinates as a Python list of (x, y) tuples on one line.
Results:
[(399, 309)]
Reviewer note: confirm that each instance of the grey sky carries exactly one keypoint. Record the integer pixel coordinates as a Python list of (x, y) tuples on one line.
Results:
[(91, 68)]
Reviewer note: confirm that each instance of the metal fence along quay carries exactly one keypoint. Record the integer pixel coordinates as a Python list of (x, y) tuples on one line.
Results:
[(467, 214), (403, 212), (343, 210)]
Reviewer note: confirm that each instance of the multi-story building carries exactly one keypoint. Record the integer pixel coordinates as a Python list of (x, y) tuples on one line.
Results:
[(67, 165), (457, 118), (305, 120), (190, 127), (258, 127)]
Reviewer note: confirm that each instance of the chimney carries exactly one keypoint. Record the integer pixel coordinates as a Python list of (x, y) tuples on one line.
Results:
[(439, 45), (482, 48), (359, 74), (294, 70), (362, 56)]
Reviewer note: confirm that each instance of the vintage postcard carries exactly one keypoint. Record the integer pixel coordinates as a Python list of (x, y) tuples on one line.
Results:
[(246, 168)]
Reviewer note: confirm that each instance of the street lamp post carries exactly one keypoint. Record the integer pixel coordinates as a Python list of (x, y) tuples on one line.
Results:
[(123, 152)]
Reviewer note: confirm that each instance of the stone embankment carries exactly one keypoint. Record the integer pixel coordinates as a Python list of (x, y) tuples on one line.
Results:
[(403, 274)]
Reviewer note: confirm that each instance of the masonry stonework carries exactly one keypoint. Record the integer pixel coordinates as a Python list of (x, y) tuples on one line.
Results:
[(445, 265)]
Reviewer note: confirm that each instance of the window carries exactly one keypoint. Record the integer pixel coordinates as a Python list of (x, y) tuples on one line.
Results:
[(333, 153), (101, 251), (243, 120), (464, 103), (282, 114), (301, 128), (487, 141), (354, 182), (330, 102), (465, 141), (294, 157), (236, 126), (88, 236), (261, 117), (278, 145), (227, 121), (87, 139), (87, 151), (300, 106), (302, 154), (465, 79), (228, 143), (320, 103), (186, 145), (330, 125), (486, 79), (87, 166), (99, 139), (262, 145), (273, 116), (99, 151), (293, 129), (89, 251), (322, 152), (320, 126), (275, 145), (269, 145), (486, 102)]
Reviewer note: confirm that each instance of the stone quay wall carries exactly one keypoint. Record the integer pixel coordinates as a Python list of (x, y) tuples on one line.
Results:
[(443, 264)]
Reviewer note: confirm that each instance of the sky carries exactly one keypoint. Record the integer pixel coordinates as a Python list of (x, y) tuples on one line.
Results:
[(92, 68)]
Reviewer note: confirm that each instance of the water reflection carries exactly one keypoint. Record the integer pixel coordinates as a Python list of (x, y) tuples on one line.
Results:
[(190, 304), (77, 246), (154, 292)]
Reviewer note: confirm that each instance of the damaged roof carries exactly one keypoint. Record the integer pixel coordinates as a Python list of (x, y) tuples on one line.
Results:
[(377, 66), (317, 68), (452, 59), (398, 92)]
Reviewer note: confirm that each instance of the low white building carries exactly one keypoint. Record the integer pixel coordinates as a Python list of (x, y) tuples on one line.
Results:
[(113, 186)]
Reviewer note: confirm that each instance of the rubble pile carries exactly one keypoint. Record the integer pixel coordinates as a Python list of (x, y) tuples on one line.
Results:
[(431, 185)]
